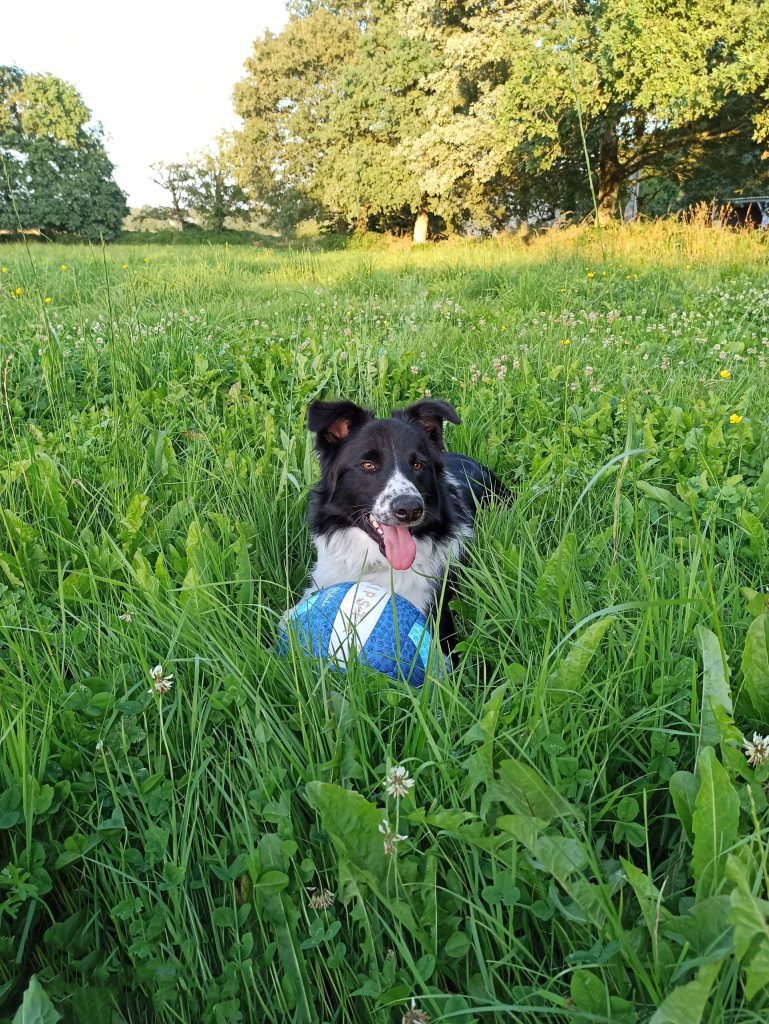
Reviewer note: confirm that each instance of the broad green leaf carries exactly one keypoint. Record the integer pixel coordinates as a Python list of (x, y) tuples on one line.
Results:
[(761, 492), (77, 586), (93, 1004), (457, 1010), (752, 527), (525, 792), (751, 928), (143, 575), (194, 595), (280, 913), (6, 566), (666, 498), (133, 519), (457, 945), (686, 1004), (705, 928), (628, 809), (714, 823), (756, 602), (560, 856), (162, 455), (36, 1007), (715, 688), (244, 576), (755, 665), (525, 828), (557, 575), (274, 881), (648, 895), (353, 824), (10, 807), (589, 993), (567, 676), (479, 766)]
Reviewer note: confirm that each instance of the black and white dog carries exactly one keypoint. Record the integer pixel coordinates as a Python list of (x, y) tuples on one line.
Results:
[(392, 505)]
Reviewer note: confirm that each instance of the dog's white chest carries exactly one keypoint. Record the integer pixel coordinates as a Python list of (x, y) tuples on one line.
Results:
[(350, 555)]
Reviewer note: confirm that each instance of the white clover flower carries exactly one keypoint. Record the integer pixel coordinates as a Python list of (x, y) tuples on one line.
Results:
[(320, 899), (390, 837), (398, 781), (100, 746), (414, 1015), (161, 683), (126, 617), (757, 749)]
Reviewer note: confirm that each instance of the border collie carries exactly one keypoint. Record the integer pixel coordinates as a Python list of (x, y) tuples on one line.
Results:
[(392, 505)]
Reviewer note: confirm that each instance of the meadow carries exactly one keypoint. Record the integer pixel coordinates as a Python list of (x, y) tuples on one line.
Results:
[(586, 836)]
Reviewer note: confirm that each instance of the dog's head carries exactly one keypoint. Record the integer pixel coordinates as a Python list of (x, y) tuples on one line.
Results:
[(382, 475)]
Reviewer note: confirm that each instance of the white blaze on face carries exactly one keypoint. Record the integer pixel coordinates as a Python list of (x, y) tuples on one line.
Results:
[(396, 487), (400, 549)]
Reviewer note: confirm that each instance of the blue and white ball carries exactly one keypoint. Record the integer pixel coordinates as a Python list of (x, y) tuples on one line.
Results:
[(380, 629)]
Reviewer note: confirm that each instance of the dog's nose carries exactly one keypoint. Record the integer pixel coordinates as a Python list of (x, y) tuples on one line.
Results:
[(408, 508)]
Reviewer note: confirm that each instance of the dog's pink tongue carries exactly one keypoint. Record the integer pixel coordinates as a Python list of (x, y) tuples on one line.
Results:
[(400, 548)]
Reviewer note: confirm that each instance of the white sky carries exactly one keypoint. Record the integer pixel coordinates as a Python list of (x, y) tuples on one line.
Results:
[(157, 73)]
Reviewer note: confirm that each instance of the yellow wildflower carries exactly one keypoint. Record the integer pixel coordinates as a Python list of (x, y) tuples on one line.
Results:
[(734, 418), (18, 291), (565, 341), (590, 273), (63, 267), (47, 300), (125, 266), (725, 374), (4, 269)]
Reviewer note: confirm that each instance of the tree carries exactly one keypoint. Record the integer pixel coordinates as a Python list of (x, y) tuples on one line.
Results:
[(366, 168), (212, 189), (174, 178), (480, 110), (648, 81), (56, 175), (284, 101)]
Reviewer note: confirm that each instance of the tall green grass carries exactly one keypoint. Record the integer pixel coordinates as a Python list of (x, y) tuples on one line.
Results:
[(586, 840)]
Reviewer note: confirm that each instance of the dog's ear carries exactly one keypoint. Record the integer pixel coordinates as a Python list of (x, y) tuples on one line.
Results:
[(429, 415), (332, 422)]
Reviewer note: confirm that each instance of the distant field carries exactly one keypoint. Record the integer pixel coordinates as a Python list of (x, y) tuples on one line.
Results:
[(585, 834)]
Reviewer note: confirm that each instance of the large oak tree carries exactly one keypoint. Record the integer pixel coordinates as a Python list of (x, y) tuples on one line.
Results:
[(55, 175), (477, 110)]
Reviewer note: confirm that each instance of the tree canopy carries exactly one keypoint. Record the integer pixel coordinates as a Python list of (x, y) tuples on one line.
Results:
[(203, 183), (476, 111), (55, 175)]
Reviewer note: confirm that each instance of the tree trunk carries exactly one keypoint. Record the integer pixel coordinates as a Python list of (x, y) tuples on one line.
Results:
[(609, 176), (176, 210), (631, 209), (421, 225)]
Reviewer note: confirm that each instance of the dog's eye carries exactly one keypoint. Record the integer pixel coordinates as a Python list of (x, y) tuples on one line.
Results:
[(416, 466), (368, 467)]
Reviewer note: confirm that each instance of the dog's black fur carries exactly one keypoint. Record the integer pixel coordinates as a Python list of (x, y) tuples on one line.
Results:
[(389, 488)]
